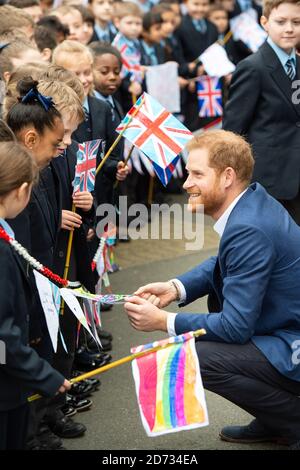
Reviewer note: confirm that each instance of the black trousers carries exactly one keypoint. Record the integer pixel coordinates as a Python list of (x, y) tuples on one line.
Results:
[(244, 376), (293, 207), (13, 427)]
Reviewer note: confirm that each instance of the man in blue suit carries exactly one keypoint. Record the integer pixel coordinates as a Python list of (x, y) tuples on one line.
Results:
[(251, 352)]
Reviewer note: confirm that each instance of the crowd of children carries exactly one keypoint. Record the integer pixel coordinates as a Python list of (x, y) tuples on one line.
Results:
[(63, 82)]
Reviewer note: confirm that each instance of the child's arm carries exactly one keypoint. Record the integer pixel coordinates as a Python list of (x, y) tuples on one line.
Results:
[(244, 93)]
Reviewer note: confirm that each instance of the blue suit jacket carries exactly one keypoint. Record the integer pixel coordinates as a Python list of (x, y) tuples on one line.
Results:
[(256, 278)]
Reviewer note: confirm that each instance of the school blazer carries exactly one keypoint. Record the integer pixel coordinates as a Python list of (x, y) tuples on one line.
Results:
[(261, 108)]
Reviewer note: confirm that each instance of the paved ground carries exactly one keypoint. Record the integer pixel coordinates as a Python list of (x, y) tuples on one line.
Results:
[(114, 421)]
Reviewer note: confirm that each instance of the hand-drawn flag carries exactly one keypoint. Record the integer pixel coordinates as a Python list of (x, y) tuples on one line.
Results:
[(209, 93), (85, 172), (246, 29), (131, 58), (169, 387), (157, 133)]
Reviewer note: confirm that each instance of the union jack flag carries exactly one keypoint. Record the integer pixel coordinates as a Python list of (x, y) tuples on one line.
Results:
[(131, 58), (209, 96), (157, 133), (85, 172)]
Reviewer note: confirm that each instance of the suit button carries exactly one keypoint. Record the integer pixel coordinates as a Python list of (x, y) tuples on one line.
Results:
[(61, 254), (298, 124)]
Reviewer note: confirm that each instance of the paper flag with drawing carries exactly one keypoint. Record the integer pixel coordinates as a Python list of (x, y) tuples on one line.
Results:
[(169, 387)]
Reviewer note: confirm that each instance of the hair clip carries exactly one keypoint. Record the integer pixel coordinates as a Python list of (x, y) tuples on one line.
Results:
[(33, 94)]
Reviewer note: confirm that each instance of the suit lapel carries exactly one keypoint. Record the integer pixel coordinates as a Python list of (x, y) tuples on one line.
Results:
[(278, 74)]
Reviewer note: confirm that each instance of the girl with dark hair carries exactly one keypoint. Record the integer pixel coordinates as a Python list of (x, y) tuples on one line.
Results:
[(22, 370), (38, 125)]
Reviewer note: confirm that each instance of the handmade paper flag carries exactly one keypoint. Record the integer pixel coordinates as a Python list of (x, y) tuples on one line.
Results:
[(157, 133), (247, 30), (85, 172), (216, 62), (162, 84), (209, 93), (44, 287), (169, 387), (131, 58)]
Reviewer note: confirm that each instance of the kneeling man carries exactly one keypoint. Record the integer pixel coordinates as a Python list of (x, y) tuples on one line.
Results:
[(249, 354)]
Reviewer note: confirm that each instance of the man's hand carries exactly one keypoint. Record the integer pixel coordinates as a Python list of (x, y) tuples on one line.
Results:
[(83, 200), (164, 291), (65, 386), (91, 234), (70, 220), (122, 171), (144, 316)]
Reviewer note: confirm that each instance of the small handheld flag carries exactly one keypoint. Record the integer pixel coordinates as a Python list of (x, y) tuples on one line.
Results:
[(157, 133), (131, 58), (209, 93), (169, 387), (85, 172)]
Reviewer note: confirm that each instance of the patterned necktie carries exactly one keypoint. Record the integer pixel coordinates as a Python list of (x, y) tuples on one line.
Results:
[(290, 71)]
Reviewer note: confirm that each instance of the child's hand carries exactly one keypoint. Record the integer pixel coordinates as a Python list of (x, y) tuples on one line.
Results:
[(183, 82), (192, 66), (70, 220), (122, 171), (83, 200), (200, 70), (135, 88), (227, 78), (192, 86)]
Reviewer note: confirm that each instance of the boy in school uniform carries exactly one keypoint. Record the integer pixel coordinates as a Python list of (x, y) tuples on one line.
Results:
[(236, 50), (104, 29), (128, 18), (195, 35), (262, 107), (98, 123), (152, 52)]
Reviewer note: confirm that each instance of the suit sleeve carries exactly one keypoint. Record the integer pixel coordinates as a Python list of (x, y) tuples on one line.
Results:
[(244, 93), (248, 257), (199, 281), (22, 362)]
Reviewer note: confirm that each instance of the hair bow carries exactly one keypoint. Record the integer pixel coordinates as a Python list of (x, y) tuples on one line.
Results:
[(33, 94)]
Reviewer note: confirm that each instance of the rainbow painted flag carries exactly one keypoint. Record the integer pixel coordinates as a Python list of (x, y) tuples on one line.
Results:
[(169, 386)]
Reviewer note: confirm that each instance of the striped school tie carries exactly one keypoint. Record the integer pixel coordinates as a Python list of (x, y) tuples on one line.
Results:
[(290, 70)]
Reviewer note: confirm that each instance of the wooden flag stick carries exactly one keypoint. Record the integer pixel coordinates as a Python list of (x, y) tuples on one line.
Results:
[(125, 163), (115, 143), (120, 362), (68, 258)]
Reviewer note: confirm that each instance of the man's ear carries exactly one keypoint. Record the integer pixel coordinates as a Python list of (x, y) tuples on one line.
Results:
[(117, 22), (264, 23)]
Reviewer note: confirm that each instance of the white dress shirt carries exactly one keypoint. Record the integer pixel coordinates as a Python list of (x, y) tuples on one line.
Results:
[(219, 227)]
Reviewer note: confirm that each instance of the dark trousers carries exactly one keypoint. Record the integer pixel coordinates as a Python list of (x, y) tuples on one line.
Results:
[(13, 427), (244, 376), (293, 207)]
